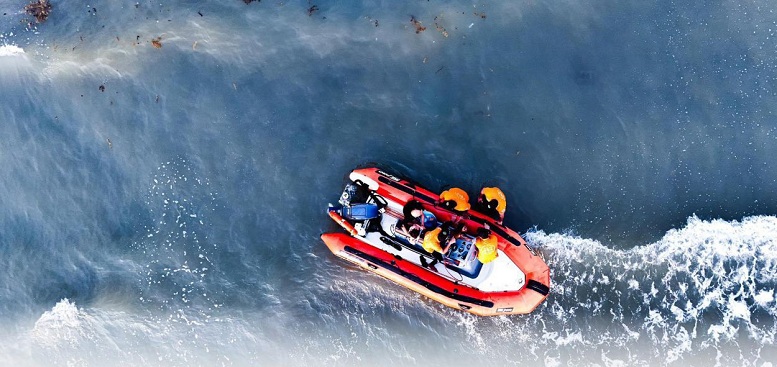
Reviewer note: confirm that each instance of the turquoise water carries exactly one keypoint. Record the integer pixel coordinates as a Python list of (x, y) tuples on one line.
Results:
[(162, 206)]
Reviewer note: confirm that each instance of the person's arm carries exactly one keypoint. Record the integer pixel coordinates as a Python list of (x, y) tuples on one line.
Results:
[(418, 239), (407, 233), (448, 245)]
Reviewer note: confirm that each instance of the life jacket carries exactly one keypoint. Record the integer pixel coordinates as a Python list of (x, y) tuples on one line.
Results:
[(491, 194), (486, 248), (458, 196), (431, 242)]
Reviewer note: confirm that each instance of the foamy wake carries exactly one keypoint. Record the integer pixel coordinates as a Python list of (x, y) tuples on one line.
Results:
[(701, 290)]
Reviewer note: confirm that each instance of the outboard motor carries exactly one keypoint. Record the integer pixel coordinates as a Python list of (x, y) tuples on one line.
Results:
[(350, 194), (360, 212)]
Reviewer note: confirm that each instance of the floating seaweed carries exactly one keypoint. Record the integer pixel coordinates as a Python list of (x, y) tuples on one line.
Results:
[(440, 28), (157, 42), (39, 9), (418, 27), (312, 10)]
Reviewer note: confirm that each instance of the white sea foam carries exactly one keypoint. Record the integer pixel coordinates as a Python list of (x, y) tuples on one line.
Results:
[(711, 272), (10, 50), (177, 247), (63, 324), (68, 335), (765, 297)]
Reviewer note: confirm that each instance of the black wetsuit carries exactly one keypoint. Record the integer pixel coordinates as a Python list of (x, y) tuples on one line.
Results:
[(488, 207)]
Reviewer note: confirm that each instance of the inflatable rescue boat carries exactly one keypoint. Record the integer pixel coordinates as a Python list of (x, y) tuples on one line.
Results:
[(371, 211)]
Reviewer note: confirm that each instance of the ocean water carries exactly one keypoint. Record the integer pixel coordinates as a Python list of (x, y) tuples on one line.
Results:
[(162, 206)]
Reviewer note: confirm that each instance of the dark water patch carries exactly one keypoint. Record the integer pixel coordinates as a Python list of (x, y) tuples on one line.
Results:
[(74, 282)]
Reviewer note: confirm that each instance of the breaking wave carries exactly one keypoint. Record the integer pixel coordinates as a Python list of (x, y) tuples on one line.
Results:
[(10, 50)]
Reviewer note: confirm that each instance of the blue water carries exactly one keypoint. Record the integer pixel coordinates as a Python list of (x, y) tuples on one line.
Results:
[(171, 217)]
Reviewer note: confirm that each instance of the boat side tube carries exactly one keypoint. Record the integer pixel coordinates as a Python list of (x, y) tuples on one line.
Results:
[(429, 284)]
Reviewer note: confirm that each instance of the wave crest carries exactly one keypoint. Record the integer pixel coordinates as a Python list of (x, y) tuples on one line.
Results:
[(62, 325), (707, 286), (11, 50)]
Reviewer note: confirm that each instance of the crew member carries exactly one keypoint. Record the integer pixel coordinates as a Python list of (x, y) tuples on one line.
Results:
[(486, 242), (434, 239), (416, 219), (420, 221), (455, 199), (425, 218), (492, 202)]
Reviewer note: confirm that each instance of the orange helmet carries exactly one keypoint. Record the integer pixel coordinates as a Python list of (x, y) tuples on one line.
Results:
[(459, 196)]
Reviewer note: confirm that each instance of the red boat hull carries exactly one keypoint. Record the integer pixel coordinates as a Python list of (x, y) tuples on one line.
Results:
[(429, 283)]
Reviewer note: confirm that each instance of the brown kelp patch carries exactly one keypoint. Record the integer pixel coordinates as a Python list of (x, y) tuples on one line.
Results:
[(418, 27), (39, 9)]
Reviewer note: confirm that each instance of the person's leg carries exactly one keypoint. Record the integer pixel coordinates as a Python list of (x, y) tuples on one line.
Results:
[(436, 257)]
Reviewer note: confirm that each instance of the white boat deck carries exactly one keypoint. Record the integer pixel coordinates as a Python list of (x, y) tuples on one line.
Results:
[(499, 275)]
